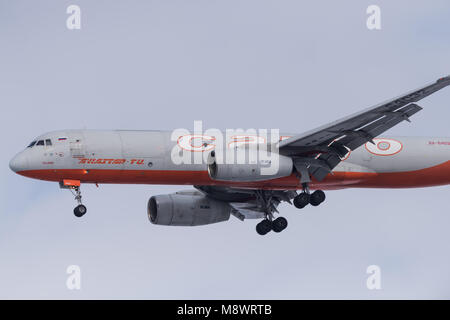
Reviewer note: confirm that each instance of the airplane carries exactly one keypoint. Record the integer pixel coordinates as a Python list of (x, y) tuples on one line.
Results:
[(347, 153)]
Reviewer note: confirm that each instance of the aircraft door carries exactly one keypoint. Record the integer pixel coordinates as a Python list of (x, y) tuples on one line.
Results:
[(76, 147)]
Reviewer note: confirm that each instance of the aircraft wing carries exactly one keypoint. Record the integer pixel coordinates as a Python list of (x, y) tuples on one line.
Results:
[(321, 149)]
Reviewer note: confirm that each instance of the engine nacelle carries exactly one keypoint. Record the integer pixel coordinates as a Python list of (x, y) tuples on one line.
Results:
[(186, 208), (274, 166)]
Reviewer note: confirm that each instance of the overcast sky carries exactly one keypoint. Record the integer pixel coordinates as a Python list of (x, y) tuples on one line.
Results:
[(291, 65)]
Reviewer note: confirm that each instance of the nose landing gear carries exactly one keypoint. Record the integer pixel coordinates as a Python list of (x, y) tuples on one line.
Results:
[(80, 209), (74, 187)]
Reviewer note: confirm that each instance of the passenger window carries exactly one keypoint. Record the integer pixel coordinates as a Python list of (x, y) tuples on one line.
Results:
[(31, 144), (48, 142), (40, 143)]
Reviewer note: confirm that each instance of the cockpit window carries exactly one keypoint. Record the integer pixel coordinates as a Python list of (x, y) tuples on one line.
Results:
[(46, 142)]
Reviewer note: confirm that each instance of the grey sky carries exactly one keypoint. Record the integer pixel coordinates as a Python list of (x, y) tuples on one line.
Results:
[(233, 64)]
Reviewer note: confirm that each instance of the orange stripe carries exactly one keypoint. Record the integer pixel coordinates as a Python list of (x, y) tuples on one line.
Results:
[(433, 176)]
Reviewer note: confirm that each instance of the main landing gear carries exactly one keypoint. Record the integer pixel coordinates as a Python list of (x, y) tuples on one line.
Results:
[(305, 198), (79, 210), (267, 225), (269, 204)]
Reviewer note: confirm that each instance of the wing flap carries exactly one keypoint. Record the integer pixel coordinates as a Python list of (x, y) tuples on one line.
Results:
[(354, 139)]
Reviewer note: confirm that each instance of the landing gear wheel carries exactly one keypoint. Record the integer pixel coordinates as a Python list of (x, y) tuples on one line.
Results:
[(264, 227), (79, 210), (317, 197), (279, 224), (301, 200)]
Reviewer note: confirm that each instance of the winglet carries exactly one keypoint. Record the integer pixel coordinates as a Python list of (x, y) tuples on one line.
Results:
[(444, 79)]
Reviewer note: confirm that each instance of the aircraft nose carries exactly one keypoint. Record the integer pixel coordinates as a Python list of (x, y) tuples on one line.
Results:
[(19, 162)]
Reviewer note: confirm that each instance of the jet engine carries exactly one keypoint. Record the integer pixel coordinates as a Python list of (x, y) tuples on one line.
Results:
[(186, 208), (272, 167)]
